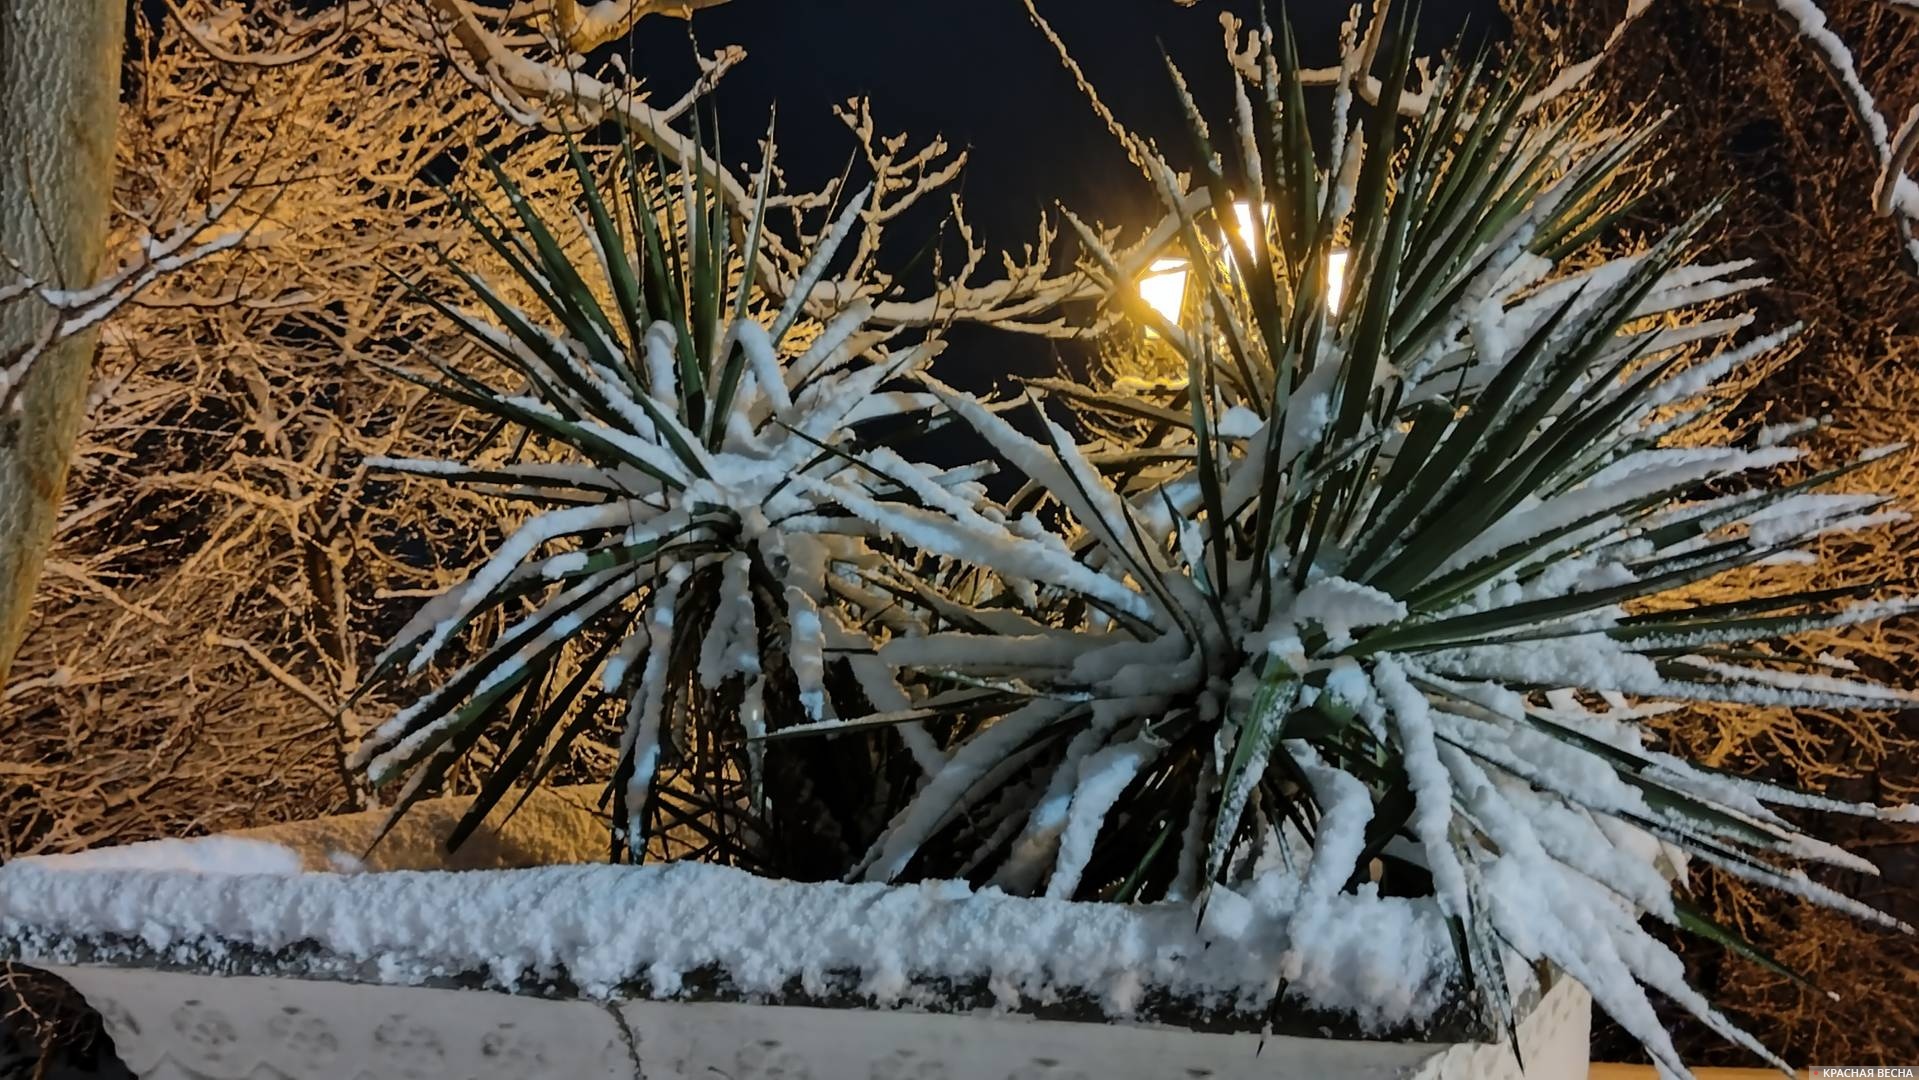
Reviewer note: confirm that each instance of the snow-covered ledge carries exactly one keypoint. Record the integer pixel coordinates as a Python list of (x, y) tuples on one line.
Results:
[(235, 957)]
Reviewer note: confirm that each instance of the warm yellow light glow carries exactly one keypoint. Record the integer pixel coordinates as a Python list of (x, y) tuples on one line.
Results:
[(1251, 228), (1140, 382), (1335, 279), (1243, 213), (1163, 287)]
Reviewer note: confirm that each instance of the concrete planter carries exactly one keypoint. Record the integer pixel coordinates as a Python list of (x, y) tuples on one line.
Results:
[(184, 1025), (229, 1010)]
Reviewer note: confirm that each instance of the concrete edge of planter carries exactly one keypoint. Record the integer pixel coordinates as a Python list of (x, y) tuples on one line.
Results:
[(308, 962), (178, 1026), (216, 968)]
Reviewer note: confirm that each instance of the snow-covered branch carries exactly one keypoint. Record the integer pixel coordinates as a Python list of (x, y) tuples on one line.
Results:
[(150, 260), (587, 28), (1894, 194), (532, 86)]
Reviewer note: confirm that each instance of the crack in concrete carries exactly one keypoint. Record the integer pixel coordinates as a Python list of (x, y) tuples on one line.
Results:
[(628, 1037)]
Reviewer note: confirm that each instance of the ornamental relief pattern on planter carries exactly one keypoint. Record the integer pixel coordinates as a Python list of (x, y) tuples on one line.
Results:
[(184, 1027), (180, 1026)]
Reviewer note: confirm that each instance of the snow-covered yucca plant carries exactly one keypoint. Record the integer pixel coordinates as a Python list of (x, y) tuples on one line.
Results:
[(1378, 602), (677, 564)]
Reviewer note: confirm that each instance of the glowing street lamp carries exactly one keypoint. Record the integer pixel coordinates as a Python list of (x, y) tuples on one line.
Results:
[(1251, 228), (1163, 287)]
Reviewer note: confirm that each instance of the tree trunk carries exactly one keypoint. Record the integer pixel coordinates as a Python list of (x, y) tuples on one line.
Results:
[(59, 100)]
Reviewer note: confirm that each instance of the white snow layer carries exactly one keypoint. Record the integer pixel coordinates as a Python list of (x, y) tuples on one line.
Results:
[(202, 855), (606, 926)]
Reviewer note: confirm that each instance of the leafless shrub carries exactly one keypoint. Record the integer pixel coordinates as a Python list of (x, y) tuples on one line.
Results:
[(221, 552)]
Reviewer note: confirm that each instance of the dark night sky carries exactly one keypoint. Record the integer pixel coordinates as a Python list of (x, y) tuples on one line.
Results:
[(979, 72)]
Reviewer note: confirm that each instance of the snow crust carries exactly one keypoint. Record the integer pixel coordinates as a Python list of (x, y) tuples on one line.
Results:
[(643, 929), (205, 855)]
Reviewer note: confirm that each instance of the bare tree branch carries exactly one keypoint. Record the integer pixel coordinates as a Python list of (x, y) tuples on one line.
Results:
[(585, 29)]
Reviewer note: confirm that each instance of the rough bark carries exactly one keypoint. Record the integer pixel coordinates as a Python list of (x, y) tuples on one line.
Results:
[(59, 98)]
